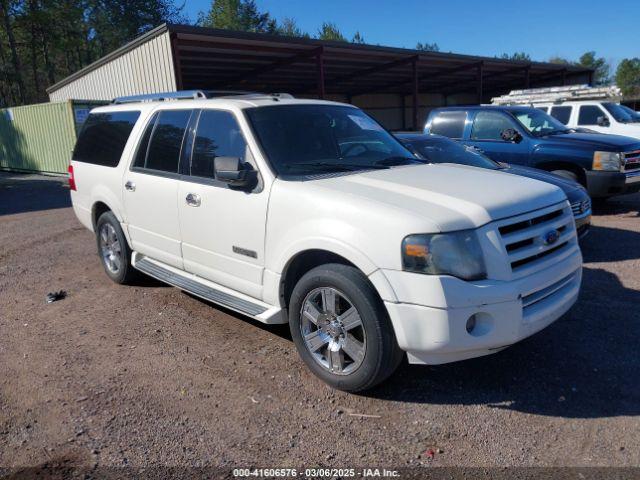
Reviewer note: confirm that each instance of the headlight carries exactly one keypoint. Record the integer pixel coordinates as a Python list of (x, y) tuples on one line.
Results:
[(456, 253), (610, 161)]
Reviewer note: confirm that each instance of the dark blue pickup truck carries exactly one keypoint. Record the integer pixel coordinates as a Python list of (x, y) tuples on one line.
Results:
[(606, 165)]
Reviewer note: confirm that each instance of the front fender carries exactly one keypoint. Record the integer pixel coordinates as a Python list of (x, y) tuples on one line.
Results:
[(552, 154)]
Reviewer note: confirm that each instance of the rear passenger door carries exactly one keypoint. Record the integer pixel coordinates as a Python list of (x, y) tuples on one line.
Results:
[(151, 188), (485, 136), (223, 229)]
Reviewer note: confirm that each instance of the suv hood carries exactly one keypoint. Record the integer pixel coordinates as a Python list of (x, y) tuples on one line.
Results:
[(595, 141), (453, 197)]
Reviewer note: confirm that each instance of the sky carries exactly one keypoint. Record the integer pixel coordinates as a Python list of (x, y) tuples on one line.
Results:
[(541, 28)]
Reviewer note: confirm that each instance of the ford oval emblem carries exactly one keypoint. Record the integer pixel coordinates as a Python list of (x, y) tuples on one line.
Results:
[(551, 237)]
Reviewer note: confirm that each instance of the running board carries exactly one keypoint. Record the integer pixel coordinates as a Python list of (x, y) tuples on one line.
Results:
[(200, 288)]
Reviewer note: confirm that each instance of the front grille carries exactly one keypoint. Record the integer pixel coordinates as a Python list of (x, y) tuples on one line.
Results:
[(632, 160), (532, 240), (578, 208)]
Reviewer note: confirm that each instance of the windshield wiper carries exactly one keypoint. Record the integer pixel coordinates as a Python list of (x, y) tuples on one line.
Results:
[(396, 161), (336, 167), (552, 132)]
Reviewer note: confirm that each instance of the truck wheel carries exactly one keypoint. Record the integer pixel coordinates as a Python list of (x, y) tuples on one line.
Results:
[(566, 174), (341, 328), (114, 250)]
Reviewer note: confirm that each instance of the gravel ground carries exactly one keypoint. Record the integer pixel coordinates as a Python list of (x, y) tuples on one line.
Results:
[(148, 376)]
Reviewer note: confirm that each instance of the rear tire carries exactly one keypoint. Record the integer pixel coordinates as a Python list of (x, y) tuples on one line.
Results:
[(113, 249), (341, 328)]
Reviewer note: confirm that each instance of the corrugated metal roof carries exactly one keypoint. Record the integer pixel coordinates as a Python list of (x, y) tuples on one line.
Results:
[(212, 58)]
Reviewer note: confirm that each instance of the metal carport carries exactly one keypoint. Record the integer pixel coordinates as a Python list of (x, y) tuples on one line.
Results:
[(397, 85)]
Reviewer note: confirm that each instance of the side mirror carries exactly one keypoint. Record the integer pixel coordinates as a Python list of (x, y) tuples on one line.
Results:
[(511, 135), (232, 171), (603, 121)]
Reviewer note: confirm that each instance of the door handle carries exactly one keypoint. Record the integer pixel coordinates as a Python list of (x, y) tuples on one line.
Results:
[(130, 186), (193, 200)]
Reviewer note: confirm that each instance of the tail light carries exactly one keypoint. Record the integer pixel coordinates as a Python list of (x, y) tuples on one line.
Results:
[(72, 180)]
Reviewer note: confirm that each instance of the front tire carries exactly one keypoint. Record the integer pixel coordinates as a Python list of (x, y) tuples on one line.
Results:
[(341, 328), (114, 250), (567, 174)]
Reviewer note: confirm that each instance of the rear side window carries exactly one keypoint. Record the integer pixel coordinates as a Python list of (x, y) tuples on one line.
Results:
[(542, 109), (489, 126), (448, 124), (143, 147), (103, 138), (163, 152), (218, 135), (562, 114), (589, 115)]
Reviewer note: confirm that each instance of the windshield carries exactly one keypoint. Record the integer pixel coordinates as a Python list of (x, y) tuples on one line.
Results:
[(632, 113), (619, 113), (443, 150), (538, 123), (312, 139)]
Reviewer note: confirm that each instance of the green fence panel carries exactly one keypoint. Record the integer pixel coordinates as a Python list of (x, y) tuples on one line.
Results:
[(37, 138)]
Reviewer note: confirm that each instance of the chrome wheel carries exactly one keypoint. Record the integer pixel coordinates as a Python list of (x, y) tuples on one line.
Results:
[(333, 331), (110, 248)]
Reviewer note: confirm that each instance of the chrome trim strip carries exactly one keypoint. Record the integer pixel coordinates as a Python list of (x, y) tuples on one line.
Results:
[(547, 291)]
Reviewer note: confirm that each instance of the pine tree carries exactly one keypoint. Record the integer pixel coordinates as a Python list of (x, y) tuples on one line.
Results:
[(330, 31), (241, 15)]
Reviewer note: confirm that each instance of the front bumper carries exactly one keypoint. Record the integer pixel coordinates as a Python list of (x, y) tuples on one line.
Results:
[(435, 331), (607, 184), (583, 223)]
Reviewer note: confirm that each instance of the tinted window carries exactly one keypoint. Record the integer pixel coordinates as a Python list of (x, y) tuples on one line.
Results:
[(542, 109), (489, 126), (103, 137), (166, 140), (561, 113), (141, 153), (589, 115), (448, 124), (218, 135)]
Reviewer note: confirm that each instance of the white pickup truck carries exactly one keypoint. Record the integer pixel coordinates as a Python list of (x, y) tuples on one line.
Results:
[(602, 117), (309, 212)]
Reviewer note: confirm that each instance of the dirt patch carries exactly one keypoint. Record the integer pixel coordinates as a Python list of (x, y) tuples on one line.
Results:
[(148, 377)]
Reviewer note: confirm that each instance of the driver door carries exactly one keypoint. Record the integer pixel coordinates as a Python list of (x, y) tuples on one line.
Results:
[(486, 137), (222, 228)]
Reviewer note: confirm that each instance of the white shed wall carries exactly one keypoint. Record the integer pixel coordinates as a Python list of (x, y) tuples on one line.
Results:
[(147, 68)]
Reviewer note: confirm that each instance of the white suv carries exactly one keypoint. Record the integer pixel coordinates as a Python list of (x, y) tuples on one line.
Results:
[(602, 117), (309, 212)]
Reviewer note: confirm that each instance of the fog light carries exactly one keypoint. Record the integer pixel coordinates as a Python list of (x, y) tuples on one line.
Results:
[(471, 323)]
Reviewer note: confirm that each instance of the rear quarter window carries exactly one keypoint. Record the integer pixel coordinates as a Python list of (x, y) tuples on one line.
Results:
[(448, 124), (563, 114), (103, 137)]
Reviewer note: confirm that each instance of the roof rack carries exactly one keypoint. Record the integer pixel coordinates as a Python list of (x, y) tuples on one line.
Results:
[(558, 95), (161, 97), (195, 94)]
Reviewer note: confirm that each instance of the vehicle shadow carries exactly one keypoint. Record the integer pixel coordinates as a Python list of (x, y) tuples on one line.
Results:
[(629, 204), (606, 244), (585, 365), (21, 193)]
